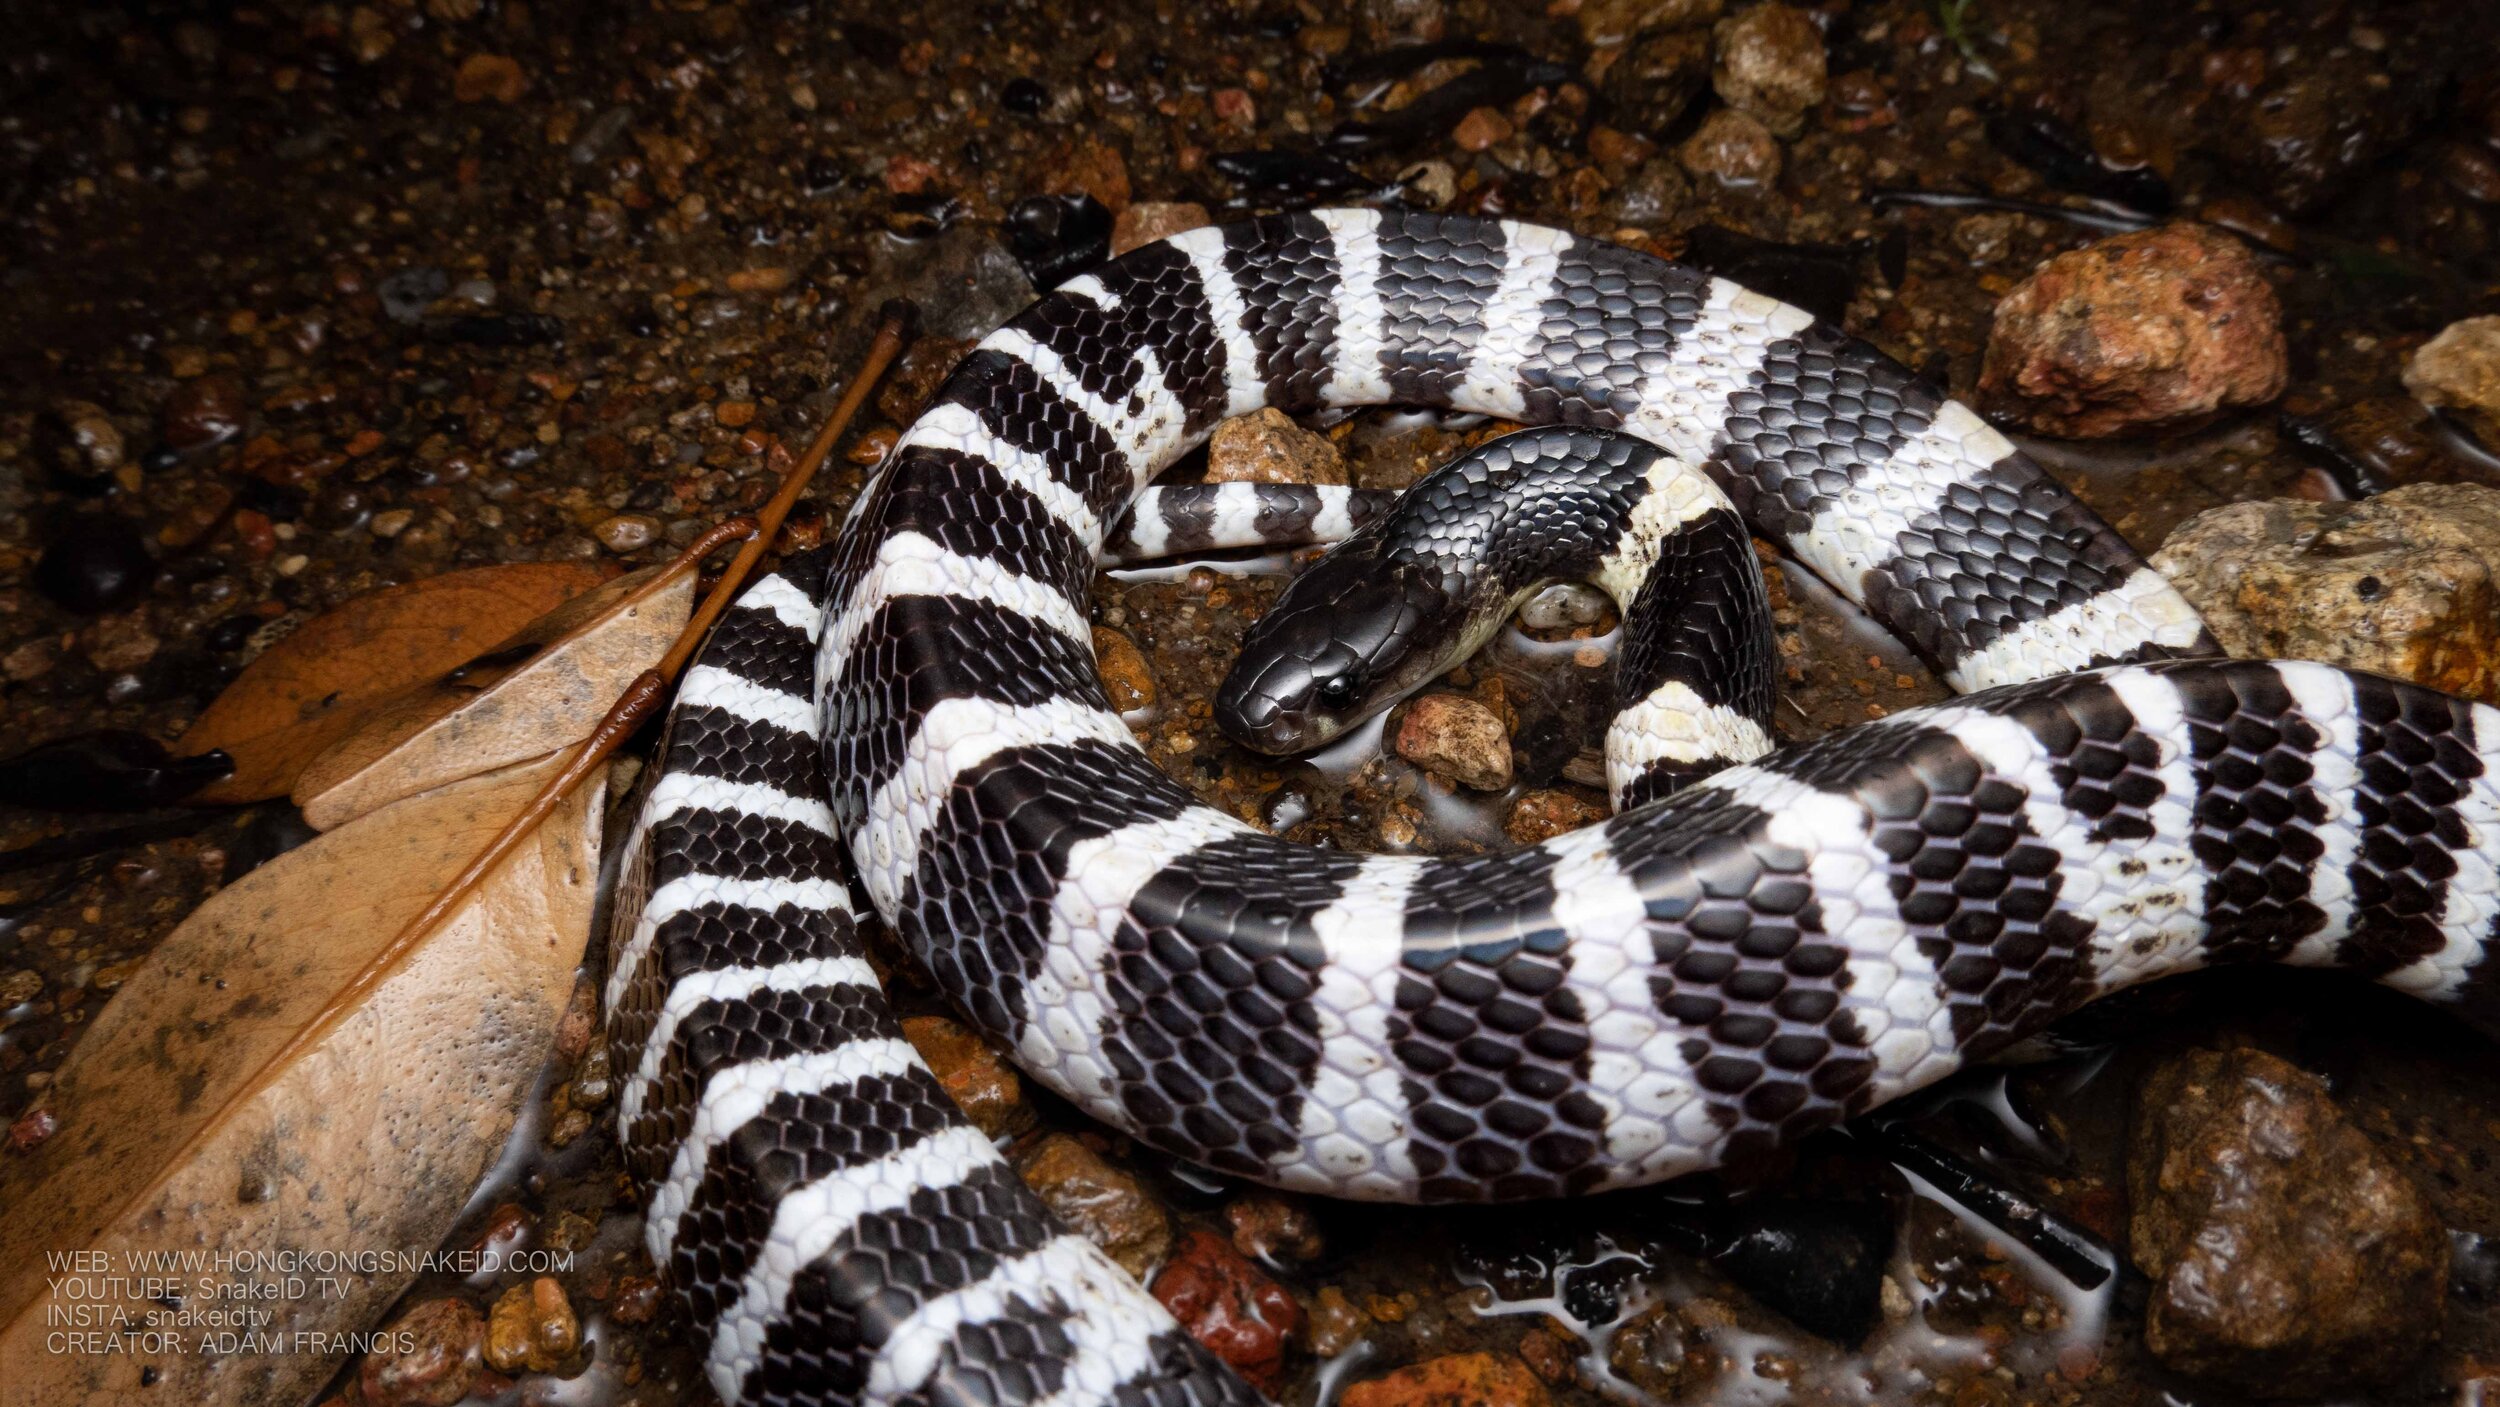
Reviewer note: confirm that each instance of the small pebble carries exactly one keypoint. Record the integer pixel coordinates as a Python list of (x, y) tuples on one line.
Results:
[(1274, 1229), (1454, 736), (1651, 85), (2459, 371), (1125, 674), (532, 1328), (627, 532), (591, 1081), (482, 77), (1771, 64), (207, 411), (1539, 816), (1266, 447), (391, 522), (908, 175), (637, 1300), (1482, 128), (1660, 1354), (1432, 184), (1337, 1323), (427, 1357), (1087, 166), (1230, 1305), (982, 1084), (120, 642), (95, 562), (768, 278), (1234, 108), (579, 1026), (31, 660), (90, 445), (570, 1124), (1105, 1204), (31, 1128), (1606, 23), (1987, 236), (1024, 97), (1564, 606), (1732, 148), (1393, 21)]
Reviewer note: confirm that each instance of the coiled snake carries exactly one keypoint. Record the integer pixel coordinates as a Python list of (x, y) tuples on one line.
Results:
[(1778, 947)]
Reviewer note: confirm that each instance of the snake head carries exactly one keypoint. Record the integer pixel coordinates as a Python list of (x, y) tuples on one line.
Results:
[(1351, 636)]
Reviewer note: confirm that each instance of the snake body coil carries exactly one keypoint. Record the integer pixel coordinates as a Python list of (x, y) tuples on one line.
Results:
[(1782, 945)]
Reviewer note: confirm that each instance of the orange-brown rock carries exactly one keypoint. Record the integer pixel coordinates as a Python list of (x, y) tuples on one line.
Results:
[(2159, 330), (2289, 1256), (987, 1088), (1458, 1380)]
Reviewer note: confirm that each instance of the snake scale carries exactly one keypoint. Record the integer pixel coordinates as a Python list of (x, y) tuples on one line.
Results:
[(909, 723)]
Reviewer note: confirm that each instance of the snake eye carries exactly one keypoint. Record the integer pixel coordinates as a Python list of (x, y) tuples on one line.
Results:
[(1337, 690)]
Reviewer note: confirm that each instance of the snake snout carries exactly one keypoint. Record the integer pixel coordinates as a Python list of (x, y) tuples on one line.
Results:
[(1262, 707)]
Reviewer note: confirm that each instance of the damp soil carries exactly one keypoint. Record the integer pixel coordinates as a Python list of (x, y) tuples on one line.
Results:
[(373, 291)]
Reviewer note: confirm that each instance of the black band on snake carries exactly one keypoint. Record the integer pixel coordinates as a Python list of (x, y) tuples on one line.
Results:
[(1774, 948)]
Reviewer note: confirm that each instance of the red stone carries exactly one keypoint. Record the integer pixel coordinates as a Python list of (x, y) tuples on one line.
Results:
[(1228, 1305)]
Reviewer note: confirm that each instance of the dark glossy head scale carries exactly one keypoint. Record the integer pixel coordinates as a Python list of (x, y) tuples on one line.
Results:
[(1353, 634)]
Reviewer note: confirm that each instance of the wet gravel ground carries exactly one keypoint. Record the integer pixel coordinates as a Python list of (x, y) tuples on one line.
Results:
[(367, 292)]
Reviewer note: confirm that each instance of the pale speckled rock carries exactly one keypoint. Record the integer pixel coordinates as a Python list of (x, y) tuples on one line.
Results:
[(2459, 371), (1453, 736), (1266, 447), (1771, 64), (2158, 330), (2405, 584), (2289, 1256)]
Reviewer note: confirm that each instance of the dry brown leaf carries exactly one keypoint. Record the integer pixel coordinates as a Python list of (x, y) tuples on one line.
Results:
[(538, 691), (309, 689), (187, 1124)]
